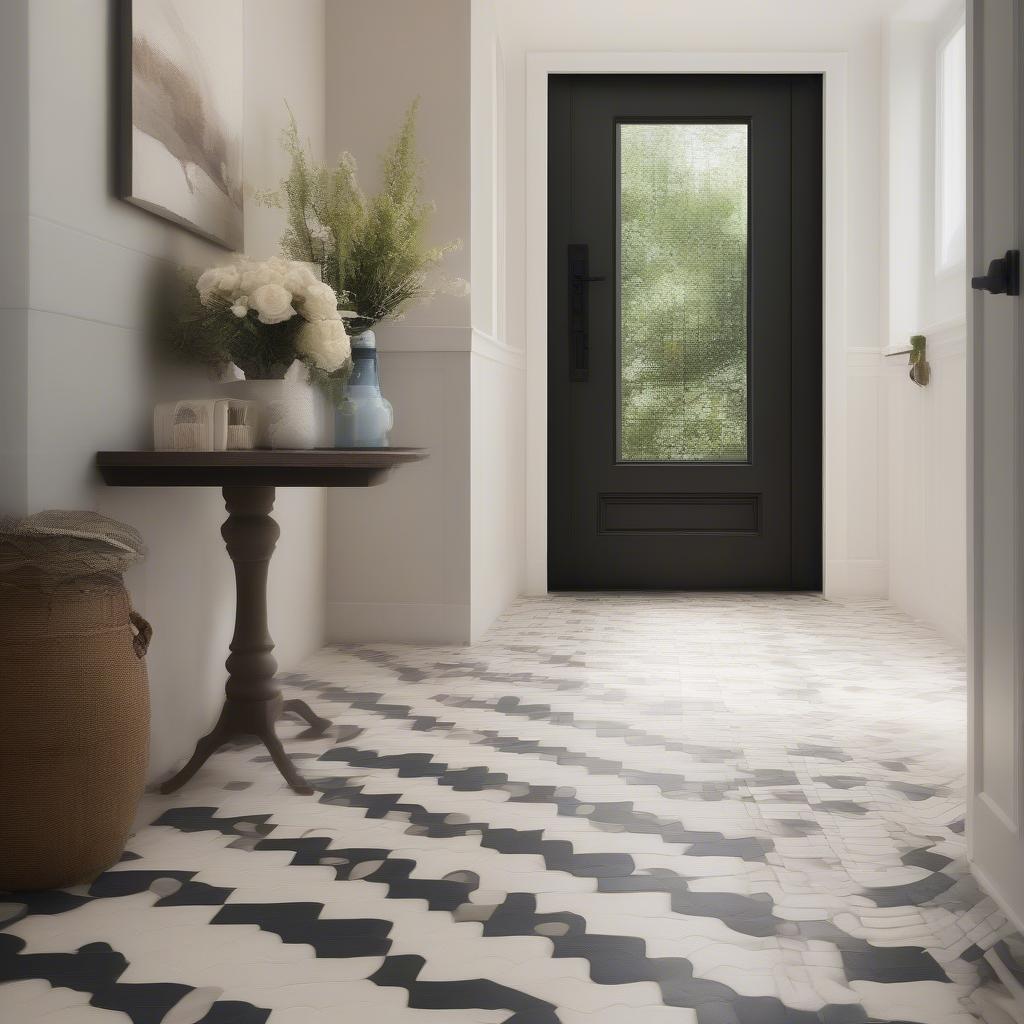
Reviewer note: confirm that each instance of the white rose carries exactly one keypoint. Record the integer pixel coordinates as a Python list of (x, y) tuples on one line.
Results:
[(255, 276), (272, 303), (217, 279), (299, 279), (325, 343), (320, 303), (207, 281), (241, 308), (227, 280)]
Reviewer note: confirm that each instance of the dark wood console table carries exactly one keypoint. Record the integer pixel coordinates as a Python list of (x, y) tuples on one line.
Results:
[(253, 701)]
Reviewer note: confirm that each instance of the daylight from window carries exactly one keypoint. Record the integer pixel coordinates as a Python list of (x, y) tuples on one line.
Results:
[(683, 292), (951, 168)]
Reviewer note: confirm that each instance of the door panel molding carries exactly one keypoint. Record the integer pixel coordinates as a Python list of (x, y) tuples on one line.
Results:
[(832, 66), (701, 514)]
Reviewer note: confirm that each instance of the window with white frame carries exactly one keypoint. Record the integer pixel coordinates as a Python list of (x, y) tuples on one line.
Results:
[(951, 150)]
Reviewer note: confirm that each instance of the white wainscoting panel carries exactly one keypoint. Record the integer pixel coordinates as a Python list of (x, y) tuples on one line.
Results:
[(926, 445)]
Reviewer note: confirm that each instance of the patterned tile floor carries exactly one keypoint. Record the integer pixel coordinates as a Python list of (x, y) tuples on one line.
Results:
[(721, 809)]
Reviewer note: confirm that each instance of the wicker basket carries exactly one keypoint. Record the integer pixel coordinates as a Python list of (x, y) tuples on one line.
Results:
[(74, 703)]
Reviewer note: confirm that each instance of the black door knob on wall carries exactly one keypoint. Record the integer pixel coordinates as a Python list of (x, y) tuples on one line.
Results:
[(1003, 277)]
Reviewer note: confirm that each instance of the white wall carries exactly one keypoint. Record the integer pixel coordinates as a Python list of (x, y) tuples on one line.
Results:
[(90, 377), (925, 439), (498, 439), (435, 553), (498, 466), (856, 552)]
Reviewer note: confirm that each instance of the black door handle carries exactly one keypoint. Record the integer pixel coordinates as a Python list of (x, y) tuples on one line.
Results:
[(580, 280), (1003, 277)]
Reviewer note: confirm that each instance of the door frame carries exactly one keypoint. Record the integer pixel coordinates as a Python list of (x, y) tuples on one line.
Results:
[(832, 68)]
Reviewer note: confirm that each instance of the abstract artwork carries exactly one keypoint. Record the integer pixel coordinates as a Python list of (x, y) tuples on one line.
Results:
[(182, 112)]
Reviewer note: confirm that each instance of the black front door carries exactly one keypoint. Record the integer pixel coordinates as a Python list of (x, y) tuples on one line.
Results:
[(684, 332)]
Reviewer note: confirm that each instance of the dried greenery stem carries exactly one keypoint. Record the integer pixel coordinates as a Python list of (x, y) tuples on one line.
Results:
[(372, 251)]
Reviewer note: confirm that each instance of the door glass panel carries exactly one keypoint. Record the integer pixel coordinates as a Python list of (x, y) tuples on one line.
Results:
[(683, 292)]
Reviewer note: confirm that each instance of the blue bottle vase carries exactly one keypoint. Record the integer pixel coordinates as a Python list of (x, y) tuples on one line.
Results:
[(364, 417)]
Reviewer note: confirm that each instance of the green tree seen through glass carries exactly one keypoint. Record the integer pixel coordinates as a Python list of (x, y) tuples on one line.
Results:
[(683, 292)]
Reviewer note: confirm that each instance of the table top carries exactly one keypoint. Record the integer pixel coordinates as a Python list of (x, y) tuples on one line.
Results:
[(259, 467)]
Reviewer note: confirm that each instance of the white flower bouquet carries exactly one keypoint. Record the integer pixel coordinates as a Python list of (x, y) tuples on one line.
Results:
[(262, 316)]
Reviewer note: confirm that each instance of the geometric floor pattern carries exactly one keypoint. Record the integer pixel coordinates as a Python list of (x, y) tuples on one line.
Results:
[(617, 809)]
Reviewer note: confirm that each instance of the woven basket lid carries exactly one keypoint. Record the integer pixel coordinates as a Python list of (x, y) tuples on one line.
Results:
[(54, 548)]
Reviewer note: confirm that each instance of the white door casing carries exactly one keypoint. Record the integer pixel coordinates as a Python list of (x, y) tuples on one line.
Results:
[(995, 374), (832, 67)]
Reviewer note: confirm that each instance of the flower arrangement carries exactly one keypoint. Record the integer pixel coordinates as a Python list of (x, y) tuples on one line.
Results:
[(372, 251), (262, 316)]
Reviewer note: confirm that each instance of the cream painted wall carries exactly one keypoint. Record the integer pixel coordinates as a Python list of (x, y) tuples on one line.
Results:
[(398, 555), (857, 552), (90, 377), (436, 553)]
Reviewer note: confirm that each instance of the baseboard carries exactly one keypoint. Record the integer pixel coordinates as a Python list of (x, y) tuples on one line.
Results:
[(856, 577), (349, 621), (983, 880)]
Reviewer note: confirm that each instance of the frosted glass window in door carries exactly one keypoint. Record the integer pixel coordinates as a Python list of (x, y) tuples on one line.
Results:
[(683, 292)]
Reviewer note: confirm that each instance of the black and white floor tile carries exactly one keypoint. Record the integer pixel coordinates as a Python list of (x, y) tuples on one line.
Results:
[(703, 809)]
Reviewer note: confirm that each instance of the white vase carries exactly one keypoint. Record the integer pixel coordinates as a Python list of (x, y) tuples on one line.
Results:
[(288, 413)]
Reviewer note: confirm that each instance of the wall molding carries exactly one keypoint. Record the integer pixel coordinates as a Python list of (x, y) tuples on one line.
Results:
[(863, 360), (858, 577), (832, 66), (409, 337), (1001, 901), (136, 249), (354, 621), (945, 339), (489, 347)]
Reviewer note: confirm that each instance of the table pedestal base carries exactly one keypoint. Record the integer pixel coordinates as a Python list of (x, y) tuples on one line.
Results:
[(238, 719), (253, 702)]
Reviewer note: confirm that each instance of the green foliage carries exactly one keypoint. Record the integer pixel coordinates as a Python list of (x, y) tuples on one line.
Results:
[(211, 335), (322, 205), (684, 271), (373, 252)]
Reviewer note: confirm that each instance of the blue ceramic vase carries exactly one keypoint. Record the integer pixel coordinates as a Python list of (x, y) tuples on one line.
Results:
[(364, 416)]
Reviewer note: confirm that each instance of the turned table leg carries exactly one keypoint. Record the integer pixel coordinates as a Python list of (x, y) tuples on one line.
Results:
[(253, 701)]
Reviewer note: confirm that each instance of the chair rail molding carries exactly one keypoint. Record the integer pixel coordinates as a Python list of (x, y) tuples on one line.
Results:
[(946, 339)]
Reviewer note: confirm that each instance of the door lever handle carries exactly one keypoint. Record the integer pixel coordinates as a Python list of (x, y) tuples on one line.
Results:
[(580, 280), (1003, 277)]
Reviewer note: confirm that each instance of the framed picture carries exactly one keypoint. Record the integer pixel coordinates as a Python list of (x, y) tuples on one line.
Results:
[(182, 107)]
